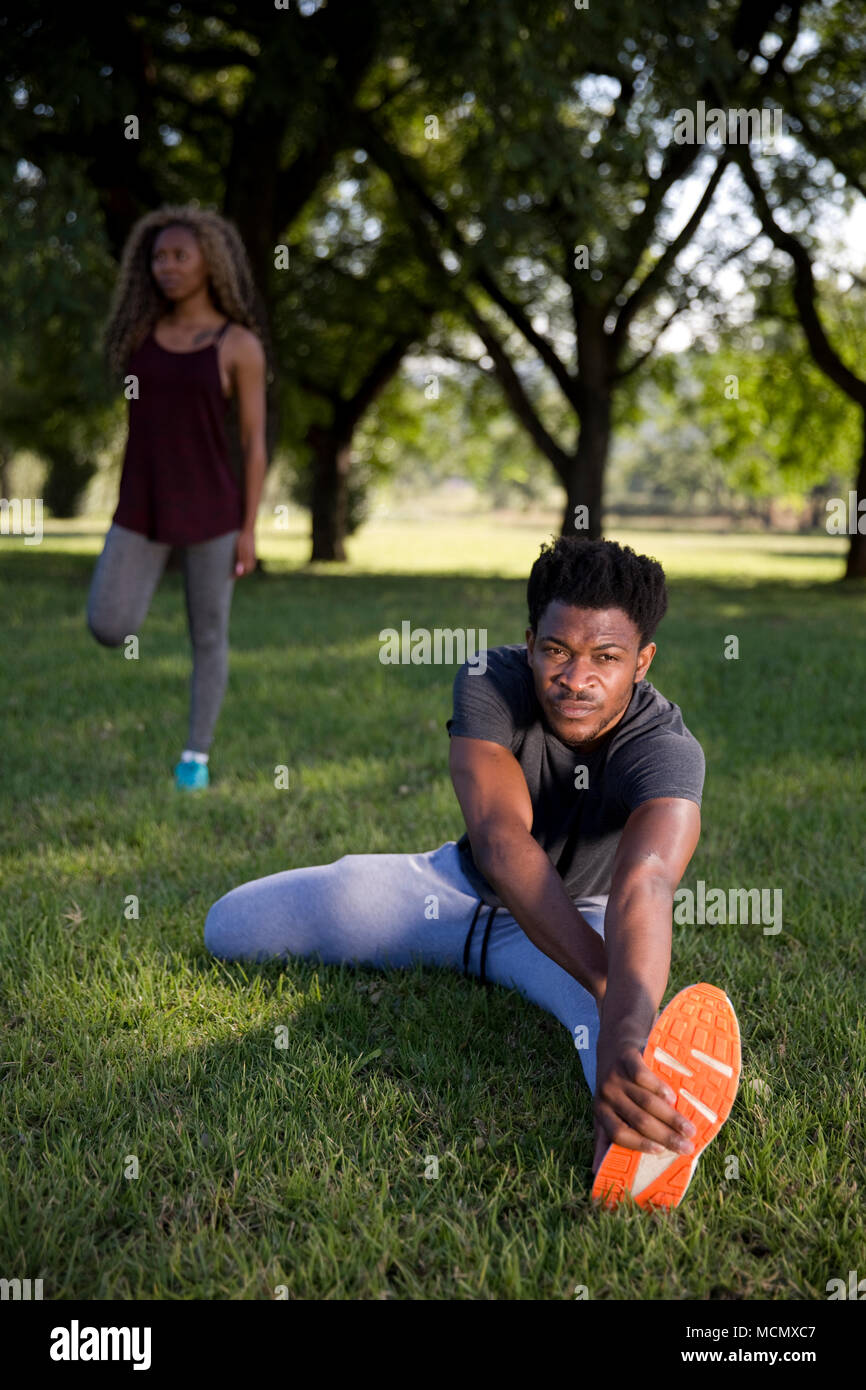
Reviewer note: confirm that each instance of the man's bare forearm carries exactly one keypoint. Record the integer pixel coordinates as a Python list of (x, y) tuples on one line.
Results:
[(524, 878), (638, 939)]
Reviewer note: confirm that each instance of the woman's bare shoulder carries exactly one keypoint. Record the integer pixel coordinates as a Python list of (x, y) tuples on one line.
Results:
[(246, 346)]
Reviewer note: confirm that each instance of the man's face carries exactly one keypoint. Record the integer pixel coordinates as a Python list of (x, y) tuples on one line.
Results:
[(585, 664)]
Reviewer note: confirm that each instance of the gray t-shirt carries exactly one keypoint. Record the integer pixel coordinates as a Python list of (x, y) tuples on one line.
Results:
[(578, 816)]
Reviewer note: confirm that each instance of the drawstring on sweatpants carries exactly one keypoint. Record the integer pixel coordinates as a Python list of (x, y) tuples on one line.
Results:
[(468, 945)]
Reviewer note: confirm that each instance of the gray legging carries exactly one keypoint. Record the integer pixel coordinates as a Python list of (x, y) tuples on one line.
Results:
[(393, 910), (124, 581)]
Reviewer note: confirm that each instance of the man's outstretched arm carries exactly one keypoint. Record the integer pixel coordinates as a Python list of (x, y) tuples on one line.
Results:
[(497, 809), (656, 845)]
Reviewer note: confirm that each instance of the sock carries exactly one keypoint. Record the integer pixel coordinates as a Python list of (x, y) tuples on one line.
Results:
[(190, 756)]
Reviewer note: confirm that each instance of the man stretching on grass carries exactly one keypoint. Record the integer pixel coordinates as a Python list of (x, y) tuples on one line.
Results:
[(580, 787)]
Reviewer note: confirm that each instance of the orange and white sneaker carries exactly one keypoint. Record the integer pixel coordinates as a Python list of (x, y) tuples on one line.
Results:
[(695, 1046)]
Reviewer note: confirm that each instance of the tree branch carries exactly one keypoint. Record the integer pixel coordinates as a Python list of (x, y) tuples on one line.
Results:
[(516, 393), (455, 356), (350, 411), (805, 297), (417, 200), (652, 281), (315, 389), (639, 361), (678, 160)]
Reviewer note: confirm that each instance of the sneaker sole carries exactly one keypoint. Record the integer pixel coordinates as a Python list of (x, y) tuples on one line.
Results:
[(695, 1046)]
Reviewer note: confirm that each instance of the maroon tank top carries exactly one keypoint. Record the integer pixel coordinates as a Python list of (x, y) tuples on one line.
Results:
[(177, 483)]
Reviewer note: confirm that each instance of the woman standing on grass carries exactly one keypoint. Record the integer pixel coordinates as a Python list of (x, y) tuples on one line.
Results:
[(187, 326)]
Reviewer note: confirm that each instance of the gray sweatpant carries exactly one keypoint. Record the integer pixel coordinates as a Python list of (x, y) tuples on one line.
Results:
[(123, 584), (392, 910)]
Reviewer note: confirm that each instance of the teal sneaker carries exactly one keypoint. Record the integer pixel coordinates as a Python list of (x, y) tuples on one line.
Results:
[(191, 776)]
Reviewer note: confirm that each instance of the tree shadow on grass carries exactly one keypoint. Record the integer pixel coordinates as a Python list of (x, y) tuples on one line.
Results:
[(358, 1078)]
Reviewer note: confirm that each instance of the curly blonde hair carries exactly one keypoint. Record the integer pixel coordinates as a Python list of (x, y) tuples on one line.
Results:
[(137, 302)]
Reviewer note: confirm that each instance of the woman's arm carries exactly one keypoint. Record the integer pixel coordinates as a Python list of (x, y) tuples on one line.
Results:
[(249, 375)]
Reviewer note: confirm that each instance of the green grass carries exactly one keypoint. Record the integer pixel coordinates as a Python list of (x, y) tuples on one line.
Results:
[(304, 1166)]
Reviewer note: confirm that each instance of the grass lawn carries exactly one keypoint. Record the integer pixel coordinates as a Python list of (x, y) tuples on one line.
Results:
[(303, 1166)]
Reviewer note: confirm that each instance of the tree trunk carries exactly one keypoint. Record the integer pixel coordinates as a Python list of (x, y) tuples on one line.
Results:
[(65, 480), (856, 566), (332, 454), (585, 481)]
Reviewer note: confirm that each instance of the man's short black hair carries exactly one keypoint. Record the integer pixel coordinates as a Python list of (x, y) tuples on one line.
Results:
[(598, 574)]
